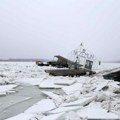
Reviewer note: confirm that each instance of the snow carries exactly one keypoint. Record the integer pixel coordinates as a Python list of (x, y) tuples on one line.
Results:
[(80, 102), (56, 82), (30, 81), (49, 84), (85, 97), (42, 106), (50, 94), (73, 88), (95, 111), (64, 109), (52, 117), (5, 89), (65, 82)]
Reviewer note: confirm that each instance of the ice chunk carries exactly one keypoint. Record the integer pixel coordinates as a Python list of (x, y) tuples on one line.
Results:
[(73, 88), (65, 82), (42, 106), (52, 117), (4, 89), (95, 111), (64, 109)]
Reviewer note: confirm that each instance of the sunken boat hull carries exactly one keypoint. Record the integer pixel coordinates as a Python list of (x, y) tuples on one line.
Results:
[(70, 72)]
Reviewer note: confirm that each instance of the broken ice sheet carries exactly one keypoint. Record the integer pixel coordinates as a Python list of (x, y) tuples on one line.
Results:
[(72, 88), (52, 117), (30, 81), (49, 84), (4, 89), (95, 111), (51, 94), (42, 106), (66, 82), (63, 109), (80, 102)]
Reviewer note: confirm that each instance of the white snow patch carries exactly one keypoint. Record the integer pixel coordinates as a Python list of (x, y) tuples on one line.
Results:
[(51, 94), (66, 82), (42, 106), (95, 111), (73, 88), (4, 89), (80, 102), (64, 109), (52, 117), (49, 84)]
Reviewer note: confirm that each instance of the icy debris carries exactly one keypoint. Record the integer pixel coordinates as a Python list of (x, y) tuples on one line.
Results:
[(52, 117), (37, 117), (101, 86), (64, 109), (66, 82), (81, 93), (72, 97), (5, 89), (95, 111), (112, 106), (58, 101), (73, 116), (116, 91), (11, 71), (49, 84), (5, 81), (50, 94), (59, 82), (100, 97), (3, 76), (73, 88), (80, 102)]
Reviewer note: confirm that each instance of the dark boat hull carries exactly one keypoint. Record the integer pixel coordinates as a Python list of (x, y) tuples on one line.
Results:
[(70, 72)]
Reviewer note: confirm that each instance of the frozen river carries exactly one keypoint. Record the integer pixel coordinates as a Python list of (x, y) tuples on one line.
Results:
[(23, 94), (18, 102)]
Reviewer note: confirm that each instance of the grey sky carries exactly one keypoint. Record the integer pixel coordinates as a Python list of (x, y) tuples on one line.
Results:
[(44, 28)]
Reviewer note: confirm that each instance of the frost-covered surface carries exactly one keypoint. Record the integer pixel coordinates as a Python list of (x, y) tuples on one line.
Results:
[(6, 89), (83, 98)]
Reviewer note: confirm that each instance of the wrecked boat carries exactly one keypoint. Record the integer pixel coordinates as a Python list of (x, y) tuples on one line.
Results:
[(70, 72), (113, 75), (80, 62), (60, 62), (40, 63)]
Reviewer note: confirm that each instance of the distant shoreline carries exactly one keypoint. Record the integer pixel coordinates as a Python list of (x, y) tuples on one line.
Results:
[(43, 60), (23, 60)]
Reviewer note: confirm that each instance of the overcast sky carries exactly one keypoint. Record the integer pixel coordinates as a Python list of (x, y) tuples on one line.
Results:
[(44, 28)]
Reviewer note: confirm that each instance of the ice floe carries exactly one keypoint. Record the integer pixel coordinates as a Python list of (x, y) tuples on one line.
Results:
[(6, 89), (84, 97)]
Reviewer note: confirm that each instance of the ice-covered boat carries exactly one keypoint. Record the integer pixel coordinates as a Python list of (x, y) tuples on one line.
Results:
[(79, 62)]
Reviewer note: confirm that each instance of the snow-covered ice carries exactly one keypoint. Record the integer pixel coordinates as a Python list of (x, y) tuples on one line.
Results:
[(95, 111), (84, 97), (42, 106), (6, 89)]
